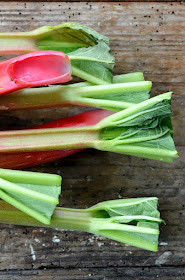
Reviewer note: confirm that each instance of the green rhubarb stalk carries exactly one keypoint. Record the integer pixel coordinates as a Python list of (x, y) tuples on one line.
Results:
[(133, 221), (142, 130), (128, 78), (117, 79), (65, 37), (87, 49), (113, 97), (36, 194)]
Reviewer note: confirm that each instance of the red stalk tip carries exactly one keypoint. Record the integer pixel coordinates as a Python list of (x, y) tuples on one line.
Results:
[(28, 159), (34, 69)]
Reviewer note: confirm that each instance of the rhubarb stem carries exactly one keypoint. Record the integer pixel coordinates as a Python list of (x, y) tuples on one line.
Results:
[(113, 97), (109, 219), (48, 139), (16, 176), (128, 78), (121, 233), (12, 43), (57, 221), (142, 130)]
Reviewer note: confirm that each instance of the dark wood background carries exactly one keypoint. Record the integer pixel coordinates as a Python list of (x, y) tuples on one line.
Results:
[(146, 37)]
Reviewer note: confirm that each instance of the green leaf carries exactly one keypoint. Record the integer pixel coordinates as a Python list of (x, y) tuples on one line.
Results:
[(36, 194), (93, 63), (142, 130), (162, 149), (133, 221), (91, 71), (66, 37), (132, 97), (133, 206), (99, 53)]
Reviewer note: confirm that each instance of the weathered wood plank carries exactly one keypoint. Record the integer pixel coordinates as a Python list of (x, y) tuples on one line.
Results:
[(86, 183), (112, 1), (146, 37), (110, 273)]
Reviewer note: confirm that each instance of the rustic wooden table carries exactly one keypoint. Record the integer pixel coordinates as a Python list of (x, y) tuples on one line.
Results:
[(146, 37)]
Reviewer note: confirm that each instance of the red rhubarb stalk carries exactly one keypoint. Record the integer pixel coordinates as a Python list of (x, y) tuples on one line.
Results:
[(142, 130), (34, 69), (28, 159)]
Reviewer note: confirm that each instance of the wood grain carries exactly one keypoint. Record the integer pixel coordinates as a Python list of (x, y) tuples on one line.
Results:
[(146, 37), (112, 1)]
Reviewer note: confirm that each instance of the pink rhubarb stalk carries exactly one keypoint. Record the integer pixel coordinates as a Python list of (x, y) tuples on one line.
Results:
[(34, 69), (28, 159)]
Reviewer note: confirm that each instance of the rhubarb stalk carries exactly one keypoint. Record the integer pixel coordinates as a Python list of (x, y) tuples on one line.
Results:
[(28, 159), (133, 221), (65, 37), (142, 130), (114, 97)]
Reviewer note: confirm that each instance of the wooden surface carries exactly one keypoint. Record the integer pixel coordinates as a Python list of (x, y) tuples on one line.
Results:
[(146, 37)]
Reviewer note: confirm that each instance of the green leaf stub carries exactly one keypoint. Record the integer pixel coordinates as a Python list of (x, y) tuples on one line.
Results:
[(36, 194)]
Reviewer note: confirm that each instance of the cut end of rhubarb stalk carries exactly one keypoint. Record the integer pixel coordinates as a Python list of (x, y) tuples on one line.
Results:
[(41, 68), (34, 69)]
